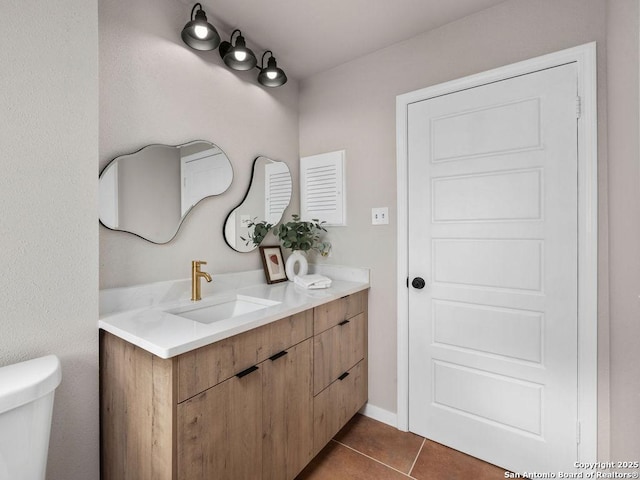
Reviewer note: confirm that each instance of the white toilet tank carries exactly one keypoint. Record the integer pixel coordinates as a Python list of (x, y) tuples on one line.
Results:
[(26, 405)]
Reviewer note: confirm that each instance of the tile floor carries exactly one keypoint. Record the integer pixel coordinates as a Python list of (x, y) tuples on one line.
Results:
[(366, 449)]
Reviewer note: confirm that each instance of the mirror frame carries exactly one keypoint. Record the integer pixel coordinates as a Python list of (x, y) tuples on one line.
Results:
[(184, 217)]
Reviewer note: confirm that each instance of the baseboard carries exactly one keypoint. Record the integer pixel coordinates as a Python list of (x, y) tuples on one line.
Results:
[(380, 414)]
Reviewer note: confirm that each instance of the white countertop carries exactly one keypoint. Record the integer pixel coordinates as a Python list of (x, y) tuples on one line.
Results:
[(167, 335)]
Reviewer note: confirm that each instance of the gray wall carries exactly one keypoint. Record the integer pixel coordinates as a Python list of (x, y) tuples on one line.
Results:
[(353, 107), (154, 89), (624, 226), (48, 206)]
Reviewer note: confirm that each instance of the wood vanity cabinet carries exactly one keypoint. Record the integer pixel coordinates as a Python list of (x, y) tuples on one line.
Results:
[(258, 405), (340, 364)]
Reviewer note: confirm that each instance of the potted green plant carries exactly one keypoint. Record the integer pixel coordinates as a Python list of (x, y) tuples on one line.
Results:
[(301, 236), (298, 235)]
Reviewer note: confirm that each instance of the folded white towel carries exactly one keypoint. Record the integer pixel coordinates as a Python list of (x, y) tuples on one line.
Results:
[(312, 281)]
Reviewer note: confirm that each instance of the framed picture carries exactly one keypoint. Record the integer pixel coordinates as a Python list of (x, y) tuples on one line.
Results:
[(273, 264)]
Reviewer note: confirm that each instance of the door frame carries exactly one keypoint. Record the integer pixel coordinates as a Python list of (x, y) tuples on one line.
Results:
[(585, 58)]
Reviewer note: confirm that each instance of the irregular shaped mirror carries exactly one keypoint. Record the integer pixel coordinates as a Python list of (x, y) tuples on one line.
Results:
[(268, 196), (150, 192)]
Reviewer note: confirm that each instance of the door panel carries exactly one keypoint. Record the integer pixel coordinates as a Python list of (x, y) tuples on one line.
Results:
[(471, 262), (493, 230), (479, 131), (511, 333), (473, 391), (481, 197)]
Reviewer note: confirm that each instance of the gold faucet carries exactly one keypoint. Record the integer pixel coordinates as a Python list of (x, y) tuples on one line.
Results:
[(196, 274)]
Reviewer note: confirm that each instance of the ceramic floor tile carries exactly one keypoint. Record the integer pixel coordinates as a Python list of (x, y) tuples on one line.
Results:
[(337, 462), (437, 462), (382, 442)]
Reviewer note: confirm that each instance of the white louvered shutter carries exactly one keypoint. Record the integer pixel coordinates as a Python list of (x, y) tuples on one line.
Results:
[(322, 188)]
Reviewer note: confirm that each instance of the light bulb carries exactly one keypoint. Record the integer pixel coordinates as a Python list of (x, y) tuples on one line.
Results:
[(201, 31), (271, 74), (240, 55)]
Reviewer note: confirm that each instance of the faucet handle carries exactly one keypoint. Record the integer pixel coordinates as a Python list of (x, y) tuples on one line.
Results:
[(199, 262)]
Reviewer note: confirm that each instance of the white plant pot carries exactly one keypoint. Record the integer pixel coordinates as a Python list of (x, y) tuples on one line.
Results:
[(299, 260)]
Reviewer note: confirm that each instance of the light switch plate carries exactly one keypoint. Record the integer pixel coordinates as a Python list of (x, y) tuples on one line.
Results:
[(380, 216)]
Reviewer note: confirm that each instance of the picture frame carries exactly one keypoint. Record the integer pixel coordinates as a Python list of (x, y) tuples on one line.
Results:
[(273, 264)]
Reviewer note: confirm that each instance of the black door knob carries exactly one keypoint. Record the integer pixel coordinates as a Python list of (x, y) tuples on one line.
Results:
[(418, 283)]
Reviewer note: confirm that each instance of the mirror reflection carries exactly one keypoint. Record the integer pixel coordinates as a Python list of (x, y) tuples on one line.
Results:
[(268, 196), (150, 192)]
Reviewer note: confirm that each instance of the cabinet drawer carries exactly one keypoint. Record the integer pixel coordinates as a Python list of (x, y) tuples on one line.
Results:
[(330, 314), (207, 366), (282, 334), (337, 350), (335, 405)]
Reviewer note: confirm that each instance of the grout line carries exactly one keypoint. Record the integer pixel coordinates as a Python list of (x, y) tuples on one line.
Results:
[(371, 458), (416, 459)]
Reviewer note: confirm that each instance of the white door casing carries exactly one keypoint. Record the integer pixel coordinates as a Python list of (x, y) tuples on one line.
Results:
[(507, 353)]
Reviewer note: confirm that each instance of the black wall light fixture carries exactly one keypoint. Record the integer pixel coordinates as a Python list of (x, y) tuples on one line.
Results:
[(271, 75), (237, 56), (198, 33)]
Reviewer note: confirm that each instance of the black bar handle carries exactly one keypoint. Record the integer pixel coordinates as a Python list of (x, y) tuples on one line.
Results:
[(343, 376), (247, 371), (344, 322), (278, 355)]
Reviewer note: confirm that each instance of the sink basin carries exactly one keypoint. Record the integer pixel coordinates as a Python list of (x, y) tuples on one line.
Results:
[(222, 309)]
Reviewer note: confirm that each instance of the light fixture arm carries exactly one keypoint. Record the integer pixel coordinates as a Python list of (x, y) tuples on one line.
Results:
[(193, 10), (262, 61), (232, 34)]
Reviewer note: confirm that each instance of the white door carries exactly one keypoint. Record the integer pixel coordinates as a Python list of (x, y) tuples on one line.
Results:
[(493, 232), (203, 174)]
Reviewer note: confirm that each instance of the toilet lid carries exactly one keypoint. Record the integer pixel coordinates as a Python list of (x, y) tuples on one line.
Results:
[(25, 382)]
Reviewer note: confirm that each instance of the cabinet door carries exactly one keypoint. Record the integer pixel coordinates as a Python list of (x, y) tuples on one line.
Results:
[(287, 412), (220, 431)]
